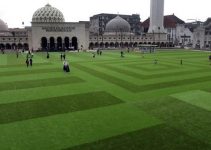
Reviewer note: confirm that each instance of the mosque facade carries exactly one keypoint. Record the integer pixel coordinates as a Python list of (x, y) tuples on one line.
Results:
[(50, 32)]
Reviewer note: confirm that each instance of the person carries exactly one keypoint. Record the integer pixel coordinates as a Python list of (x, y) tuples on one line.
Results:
[(93, 55), (2, 51), (210, 58), (101, 53), (17, 53), (64, 56), (30, 61), (98, 51), (122, 54), (27, 62), (48, 56), (66, 67), (181, 62)]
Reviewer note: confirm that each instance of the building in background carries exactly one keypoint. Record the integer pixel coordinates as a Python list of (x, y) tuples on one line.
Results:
[(13, 38), (98, 22), (173, 27), (49, 32), (202, 35)]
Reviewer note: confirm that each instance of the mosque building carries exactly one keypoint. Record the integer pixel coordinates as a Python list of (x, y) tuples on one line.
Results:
[(50, 32)]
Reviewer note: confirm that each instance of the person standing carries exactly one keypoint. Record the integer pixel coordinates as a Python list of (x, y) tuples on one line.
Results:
[(64, 56), (122, 54), (17, 54), (48, 55), (30, 61), (27, 62)]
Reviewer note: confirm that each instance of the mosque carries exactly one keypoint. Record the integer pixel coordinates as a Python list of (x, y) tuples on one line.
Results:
[(50, 32)]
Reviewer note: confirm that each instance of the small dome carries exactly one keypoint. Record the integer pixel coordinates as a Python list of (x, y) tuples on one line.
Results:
[(48, 14), (118, 24), (3, 26)]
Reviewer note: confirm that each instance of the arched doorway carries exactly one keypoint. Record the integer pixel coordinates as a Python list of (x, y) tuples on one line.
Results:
[(135, 44), (67, 43), (26, 46), (116, 45), (91, 45), (52, 44), (106, 45), (8, 46), (20, 46), (2, 46), (111, 44), (126, 44), (131, 44), (14, 46), (96, 45), (101, 45), (59, 43), (44, 43), (75, 43)]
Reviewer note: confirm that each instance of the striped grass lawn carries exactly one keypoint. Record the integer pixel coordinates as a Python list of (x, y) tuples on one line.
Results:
[(107, 102)]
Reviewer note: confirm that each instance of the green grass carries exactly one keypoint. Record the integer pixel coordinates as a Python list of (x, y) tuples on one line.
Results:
[(106, 103)]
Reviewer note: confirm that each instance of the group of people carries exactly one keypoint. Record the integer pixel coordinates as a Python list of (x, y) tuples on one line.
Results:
[(99, 52), (63, 56)]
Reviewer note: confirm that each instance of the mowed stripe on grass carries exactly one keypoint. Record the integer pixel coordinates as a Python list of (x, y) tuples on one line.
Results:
[(39, 83), (160, 137), (19, 111), (140, 88), (68, 130)]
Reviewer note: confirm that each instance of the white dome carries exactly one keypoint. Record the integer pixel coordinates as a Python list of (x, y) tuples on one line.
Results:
[(48, 14), (118, 24), (3, 26)]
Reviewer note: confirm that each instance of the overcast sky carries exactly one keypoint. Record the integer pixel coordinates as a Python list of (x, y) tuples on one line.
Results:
[(14, 12)]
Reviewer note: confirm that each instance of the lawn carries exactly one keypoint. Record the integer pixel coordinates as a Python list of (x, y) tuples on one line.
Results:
[(106, 102)]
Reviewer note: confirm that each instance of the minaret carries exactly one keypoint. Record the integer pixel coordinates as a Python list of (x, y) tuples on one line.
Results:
[(156, 16)]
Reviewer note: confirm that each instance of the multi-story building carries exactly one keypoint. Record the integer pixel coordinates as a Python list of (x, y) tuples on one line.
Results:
[(13, 38), (171, 23), (98, 22), (202, 35)]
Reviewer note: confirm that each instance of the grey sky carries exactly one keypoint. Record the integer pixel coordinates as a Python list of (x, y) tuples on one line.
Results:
[(13, 12)]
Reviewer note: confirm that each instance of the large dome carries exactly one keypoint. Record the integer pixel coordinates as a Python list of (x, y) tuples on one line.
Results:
[(118, 24), (48, 14), (3, 26)]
